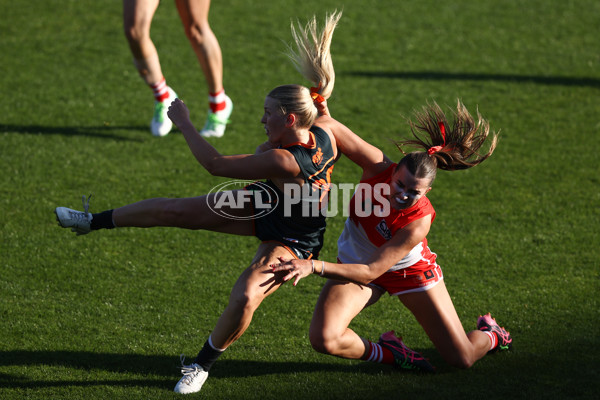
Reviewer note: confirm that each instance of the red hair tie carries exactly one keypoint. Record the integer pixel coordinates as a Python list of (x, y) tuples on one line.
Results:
[(314, 93), (435, 149)]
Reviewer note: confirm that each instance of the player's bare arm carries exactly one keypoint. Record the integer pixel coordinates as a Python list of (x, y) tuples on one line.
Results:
[(403, 241)]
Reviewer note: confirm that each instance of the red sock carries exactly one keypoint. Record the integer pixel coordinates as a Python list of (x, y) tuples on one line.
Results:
[(216, 101), (379, 354), (493, 339), (160, 90)]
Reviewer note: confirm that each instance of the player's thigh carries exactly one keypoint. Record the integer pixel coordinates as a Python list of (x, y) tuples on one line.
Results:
[(258, 281), (338, 304), (224, 212), (193, 11), (435, 312), (139, 13)]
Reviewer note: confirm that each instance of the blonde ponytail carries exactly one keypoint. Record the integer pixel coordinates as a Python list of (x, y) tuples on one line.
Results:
[(313, 60), (312, 56)]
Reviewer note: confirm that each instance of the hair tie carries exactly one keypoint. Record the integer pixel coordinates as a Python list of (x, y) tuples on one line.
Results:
[(435, 149), (314, 93)]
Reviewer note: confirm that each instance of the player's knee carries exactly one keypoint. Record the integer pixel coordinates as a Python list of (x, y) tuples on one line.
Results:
[(245, 302), (179, 213), (316, 341), (170, 211), (196, 32), (239, 302), (323, 343), (134, 34), (462, 361)]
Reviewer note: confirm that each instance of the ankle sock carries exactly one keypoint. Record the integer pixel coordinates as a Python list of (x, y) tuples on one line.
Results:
[(208, 355), (102, 220), (493, 339), (379, 354), (216, 101), (160, 90)]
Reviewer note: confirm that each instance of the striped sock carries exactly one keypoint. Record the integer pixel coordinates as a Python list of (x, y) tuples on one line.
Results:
[(216, 101), (379, 354), (493, 339), (160, 90)]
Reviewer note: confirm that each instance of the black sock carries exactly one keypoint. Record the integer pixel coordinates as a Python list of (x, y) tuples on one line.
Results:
[(207, 356), (102, 220)]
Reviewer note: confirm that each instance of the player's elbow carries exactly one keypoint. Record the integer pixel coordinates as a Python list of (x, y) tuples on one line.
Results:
[(364, 280), (214, 167), (370, 276)]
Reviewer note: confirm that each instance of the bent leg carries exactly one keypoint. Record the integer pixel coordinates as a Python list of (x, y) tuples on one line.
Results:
[(338, 304), (252, 287), (137, 18), (194, 17), (189, 213), (435, 312)]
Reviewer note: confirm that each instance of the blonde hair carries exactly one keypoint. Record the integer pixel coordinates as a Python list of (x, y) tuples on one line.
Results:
[(447, 146), (312, 58)]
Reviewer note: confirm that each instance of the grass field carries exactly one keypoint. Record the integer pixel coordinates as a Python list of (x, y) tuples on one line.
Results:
[(106, 315)]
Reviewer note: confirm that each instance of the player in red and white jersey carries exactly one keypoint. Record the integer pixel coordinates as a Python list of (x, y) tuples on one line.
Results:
[(364, 235), (384, 248)]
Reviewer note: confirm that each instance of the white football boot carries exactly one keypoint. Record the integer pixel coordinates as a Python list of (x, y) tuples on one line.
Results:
[(217, 121), (161, 125), (193, 378), (78, 221)]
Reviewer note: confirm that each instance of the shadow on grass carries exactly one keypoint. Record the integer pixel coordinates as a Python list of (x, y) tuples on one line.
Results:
[(508, 375), (450, 76), (104, 131), (153, 365)]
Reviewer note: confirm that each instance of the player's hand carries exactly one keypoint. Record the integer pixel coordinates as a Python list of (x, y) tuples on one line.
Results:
[(266, 146), (297, 269), (322, 108), (179, 113)]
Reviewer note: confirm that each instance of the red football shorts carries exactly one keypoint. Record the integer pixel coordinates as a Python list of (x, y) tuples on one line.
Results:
[(416, 278)]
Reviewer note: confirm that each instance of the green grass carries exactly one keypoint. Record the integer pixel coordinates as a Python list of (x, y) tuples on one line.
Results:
[(106, 315)]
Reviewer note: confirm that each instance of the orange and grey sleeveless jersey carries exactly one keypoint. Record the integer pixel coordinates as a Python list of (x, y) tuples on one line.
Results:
[(298, 218)]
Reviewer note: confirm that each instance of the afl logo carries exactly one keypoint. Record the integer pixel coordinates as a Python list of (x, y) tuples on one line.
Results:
[(233, 200), (383, 230), (317, 158)]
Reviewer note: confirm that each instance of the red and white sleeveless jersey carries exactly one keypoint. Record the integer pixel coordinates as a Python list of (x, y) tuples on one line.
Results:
[(372, 222)]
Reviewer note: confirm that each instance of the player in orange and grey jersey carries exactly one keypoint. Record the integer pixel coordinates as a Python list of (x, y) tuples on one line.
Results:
[(300, 150), (298, 218)]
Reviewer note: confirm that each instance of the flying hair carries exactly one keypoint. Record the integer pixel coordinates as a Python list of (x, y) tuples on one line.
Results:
[(451, 145), (312, 57)]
